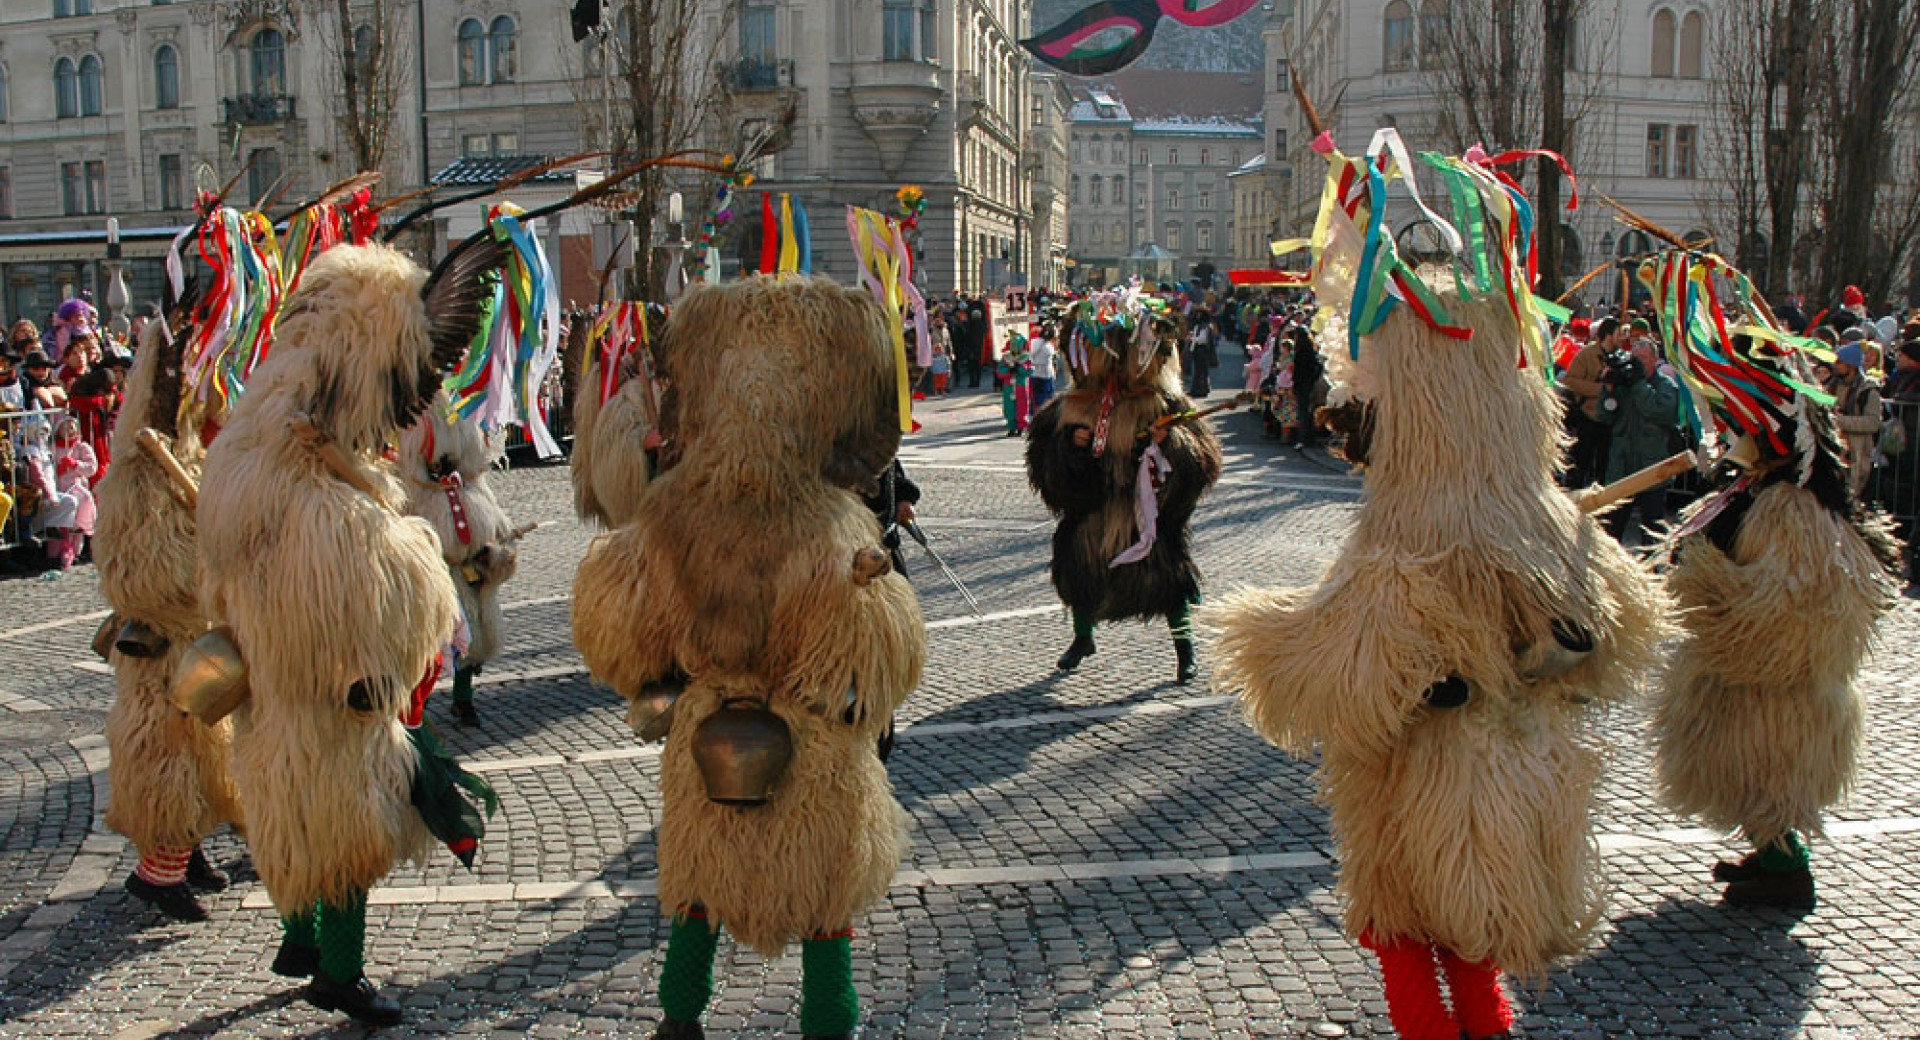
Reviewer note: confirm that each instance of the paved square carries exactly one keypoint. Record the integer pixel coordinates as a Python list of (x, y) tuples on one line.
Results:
[(1103, 854)]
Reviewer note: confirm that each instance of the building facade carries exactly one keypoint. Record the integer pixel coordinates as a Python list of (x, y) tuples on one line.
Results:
[(121, 108), (1640, 82), (1256, 213), (1144, 183)]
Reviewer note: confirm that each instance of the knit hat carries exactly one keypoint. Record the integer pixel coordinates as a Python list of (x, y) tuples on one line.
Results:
[(1853, 335), (1851, 296), (1848, 354)]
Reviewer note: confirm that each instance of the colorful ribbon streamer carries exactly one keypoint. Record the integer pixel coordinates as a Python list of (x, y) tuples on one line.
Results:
[(886, 269), (498, 382)]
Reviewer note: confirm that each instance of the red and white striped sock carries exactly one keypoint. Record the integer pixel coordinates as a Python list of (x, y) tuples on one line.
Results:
[(163, 866)]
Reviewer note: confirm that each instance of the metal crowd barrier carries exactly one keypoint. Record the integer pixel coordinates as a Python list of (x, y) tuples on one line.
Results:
[(19, 523), (1895, 485)]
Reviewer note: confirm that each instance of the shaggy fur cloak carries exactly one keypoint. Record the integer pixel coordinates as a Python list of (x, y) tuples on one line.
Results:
[(170, 780), (736, 572), (1758, 722), (1094, 498), (431, 450), (1468, 826), (609, 466), (338, 602)]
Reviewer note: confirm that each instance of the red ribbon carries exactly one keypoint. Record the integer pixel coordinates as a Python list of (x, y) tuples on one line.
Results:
[(769, 235)]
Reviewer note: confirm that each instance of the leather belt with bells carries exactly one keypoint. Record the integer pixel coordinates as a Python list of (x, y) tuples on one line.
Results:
[(451, 484)]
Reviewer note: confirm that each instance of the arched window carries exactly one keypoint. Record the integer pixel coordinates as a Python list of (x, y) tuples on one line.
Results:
[(91, 89), (1076, 188), (268, 72), (66, 89), (1433, 33), (1399, 36), (1119, 188), (366, 51), (1119, 232), (1663, 34), (473, 53), (1693, 30), (166, 78), (1119, 151), (3, 94), (263, 172), (1094, 195), (1573, 261), (502, 43)]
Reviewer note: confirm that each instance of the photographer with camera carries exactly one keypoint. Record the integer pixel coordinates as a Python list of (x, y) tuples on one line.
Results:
[(1641, 403), (1587, 462)]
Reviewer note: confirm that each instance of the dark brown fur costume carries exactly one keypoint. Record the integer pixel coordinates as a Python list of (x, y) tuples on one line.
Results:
[(1094, 497)]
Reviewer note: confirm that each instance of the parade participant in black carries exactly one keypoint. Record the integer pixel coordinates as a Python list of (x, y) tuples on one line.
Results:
[(1120, 550)]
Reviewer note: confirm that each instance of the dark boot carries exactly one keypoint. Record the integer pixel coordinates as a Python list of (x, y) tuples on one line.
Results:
[(295, 961), (358, 1000), (1746, 868), (176, 901), (1183, 652), (1792, 889), (203, 875), (674, 1029), (464, 713), (1081, 649)]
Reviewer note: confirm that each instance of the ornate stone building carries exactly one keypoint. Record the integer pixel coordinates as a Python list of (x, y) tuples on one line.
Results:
[(117, 108)]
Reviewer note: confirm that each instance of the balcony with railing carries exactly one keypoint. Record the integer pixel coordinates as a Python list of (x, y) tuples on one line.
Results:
[(759, 73), (256, 109)]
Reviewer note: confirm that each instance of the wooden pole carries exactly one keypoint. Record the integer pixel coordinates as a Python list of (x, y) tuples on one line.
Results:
[(184, 487), (1595, 499)]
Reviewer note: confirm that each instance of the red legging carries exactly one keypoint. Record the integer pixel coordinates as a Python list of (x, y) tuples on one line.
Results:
[(1411, 972)]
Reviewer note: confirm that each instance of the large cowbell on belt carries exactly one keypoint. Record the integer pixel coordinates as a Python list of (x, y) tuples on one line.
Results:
[(742, 751), (211, 679)]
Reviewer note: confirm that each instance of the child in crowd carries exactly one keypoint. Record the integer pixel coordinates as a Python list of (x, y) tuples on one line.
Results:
[(942, 366)]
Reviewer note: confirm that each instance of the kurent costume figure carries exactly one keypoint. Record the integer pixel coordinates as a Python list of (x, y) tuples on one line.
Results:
[(1756, 728), (171, 784), (1122, 461), (1445, 665), (444, 460), (751, 593), (616, 414), (338, 603)]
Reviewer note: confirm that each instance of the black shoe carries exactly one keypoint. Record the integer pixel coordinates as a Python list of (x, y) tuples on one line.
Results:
[(1791, 889), (1746, 868), (296, 962), (358, 1000), (464, 713), (176, 901), (203, 875), (1183, 651), (674, 1029), (1081, 649)]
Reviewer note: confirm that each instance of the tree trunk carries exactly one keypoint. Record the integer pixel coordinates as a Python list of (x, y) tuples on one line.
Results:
[(1556, 39), (1506, 22), (1879, 43), (1793, 38)]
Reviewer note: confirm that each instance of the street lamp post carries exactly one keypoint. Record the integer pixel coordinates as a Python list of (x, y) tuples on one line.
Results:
[(117, 296), (675, 245)]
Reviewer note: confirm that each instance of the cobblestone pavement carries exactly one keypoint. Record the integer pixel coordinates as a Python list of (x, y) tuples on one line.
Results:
[(1101, 854)]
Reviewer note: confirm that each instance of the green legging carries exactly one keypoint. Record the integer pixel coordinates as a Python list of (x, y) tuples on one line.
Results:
[(1783, 855), (338, 930), (463, 683), (1179, 623), (829, 1005)]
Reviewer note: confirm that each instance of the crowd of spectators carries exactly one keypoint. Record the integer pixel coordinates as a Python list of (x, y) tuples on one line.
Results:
[(60, 392)]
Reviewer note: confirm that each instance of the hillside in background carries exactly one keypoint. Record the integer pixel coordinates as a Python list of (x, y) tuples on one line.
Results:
[(1234, 47)]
